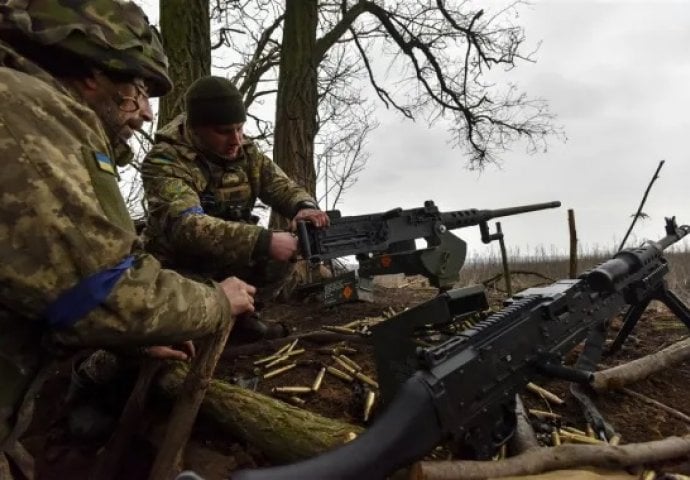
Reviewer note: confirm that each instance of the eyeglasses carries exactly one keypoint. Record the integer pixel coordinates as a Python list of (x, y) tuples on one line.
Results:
[(142, 95)]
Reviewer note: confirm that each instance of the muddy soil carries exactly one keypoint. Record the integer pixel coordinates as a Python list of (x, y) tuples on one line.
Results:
[(215, 454)]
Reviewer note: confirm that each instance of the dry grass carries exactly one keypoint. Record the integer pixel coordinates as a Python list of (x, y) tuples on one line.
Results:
[(552, 265)]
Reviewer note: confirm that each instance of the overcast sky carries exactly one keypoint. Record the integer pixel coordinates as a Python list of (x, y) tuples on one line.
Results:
[(617, 74)]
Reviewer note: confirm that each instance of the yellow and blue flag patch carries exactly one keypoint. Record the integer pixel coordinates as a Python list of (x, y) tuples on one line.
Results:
[(104, 163)]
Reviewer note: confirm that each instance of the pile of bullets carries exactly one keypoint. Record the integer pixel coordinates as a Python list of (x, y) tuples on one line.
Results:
[(551, 432), (361, 326), (341, 367)]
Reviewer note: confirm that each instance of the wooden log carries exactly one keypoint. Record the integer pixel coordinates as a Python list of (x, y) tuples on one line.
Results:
[(562, 457), (169, 458), (284, 433), (631, 372)]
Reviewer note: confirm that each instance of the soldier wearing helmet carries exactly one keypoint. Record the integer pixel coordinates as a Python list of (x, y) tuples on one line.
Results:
[(75, 81)]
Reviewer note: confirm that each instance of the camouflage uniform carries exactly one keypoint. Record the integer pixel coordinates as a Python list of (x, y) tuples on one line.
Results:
[(72, 271), (200, 206)]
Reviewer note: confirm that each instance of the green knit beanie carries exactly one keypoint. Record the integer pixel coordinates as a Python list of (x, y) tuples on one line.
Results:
[(214, 101)]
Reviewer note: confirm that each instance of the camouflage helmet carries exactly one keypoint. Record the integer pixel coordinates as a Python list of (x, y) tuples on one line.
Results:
[(114, 35)]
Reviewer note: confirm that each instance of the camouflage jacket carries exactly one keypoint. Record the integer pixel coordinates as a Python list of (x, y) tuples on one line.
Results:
[(199, 208), (63, 221)]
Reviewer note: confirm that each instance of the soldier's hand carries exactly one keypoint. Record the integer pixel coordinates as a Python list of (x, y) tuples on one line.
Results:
[(317, 217), (183, 351), (240, 295), (283, 246)]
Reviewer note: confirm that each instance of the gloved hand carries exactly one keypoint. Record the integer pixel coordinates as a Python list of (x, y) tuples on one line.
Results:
[(250, 328)]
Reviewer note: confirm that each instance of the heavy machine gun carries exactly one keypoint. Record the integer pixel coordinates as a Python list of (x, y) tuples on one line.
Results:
[(384, 243)]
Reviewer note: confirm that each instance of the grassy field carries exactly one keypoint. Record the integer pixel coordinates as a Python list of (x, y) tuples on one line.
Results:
[(542, 267)]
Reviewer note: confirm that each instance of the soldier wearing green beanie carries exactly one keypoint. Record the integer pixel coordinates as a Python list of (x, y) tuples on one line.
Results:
[(214, 101), (202, 179)]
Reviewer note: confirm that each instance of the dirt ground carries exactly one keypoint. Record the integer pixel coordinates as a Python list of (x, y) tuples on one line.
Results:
[(215, 454)]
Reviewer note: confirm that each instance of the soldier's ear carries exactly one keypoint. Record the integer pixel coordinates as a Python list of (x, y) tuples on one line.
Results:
[(91, 83)]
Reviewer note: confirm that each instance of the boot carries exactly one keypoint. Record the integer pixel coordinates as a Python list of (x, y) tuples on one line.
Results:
[(88, 418)]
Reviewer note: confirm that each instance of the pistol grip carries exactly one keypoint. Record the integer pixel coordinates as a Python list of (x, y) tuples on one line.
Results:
[(303, 238)]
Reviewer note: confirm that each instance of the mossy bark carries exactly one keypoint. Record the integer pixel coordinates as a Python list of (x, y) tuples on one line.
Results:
[(186, 31), (297, 100), (284, 433)]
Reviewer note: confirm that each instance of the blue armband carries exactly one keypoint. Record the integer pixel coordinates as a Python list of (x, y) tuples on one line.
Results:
[(77, 301), (195, 210)]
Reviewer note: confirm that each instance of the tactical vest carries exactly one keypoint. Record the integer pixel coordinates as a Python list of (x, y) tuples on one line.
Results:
[(229, 193)]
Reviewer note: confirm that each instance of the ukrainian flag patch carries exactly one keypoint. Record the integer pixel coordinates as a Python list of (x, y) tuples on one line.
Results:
[(104, 163)]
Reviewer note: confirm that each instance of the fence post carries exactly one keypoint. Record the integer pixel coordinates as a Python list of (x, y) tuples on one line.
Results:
[(573, 243), (504, 259)]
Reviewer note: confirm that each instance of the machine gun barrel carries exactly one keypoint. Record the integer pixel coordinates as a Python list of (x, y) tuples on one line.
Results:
[(612, 274), (471, 217)]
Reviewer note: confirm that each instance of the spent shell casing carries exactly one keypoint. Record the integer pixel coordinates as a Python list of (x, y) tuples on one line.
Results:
[(340, 374), (350, 362), (318, 380), (544, 415), (574, 437), (366, 379), (278, 371), (338, 329), (266, 359), (353, 324), (278, 360), (282, 349), (576, 431), (648, 475), (615, 440), (292, 345), (297, 400), (368, 404), (292, 353), (349, 436), (590, 431), (348, 368), (294, 389), (534, 388), (555, 438)]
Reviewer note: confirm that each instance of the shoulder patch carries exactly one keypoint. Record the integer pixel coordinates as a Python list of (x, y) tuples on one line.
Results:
[(104, 162)]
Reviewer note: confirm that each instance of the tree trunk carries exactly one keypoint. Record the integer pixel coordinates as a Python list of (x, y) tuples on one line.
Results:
[(282, 432), (297, 99), (186, 31)]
